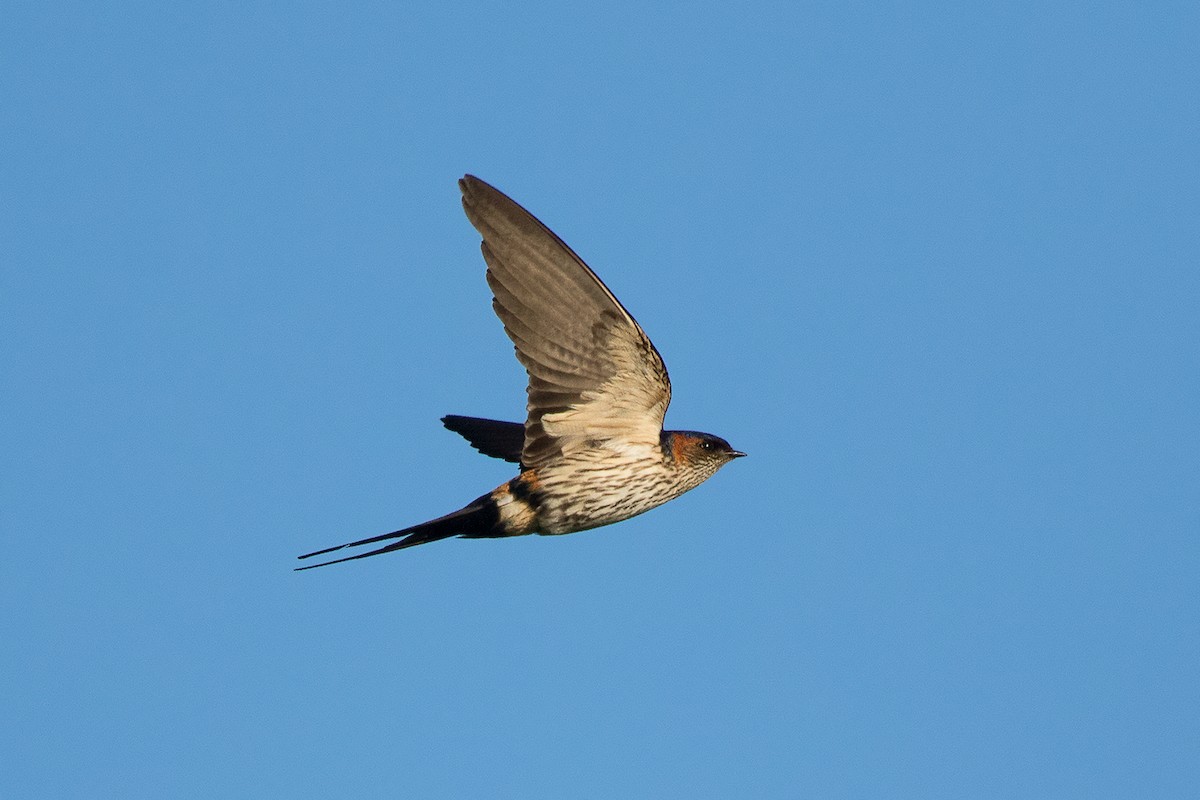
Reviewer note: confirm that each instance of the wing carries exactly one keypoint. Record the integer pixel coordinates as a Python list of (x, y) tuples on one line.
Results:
[(488, 436), (593, 373)]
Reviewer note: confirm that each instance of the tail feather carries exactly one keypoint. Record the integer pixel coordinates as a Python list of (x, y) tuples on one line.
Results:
[(480, 518)]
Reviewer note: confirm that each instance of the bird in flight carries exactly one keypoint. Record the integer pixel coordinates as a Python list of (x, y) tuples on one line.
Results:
[(592, 450)]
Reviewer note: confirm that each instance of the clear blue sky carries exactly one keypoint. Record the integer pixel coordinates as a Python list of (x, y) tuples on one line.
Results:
[(933, 265)]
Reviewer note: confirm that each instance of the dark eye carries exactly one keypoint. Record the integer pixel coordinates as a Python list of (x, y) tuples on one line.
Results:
[(707, 445)]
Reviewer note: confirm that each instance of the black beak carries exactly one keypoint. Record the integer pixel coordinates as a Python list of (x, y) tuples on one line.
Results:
[(736, 454)]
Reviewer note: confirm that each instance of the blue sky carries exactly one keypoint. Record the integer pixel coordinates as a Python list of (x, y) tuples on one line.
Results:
[(933, 265)]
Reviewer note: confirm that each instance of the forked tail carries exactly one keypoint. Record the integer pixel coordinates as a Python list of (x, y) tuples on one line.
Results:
[(479, 519)]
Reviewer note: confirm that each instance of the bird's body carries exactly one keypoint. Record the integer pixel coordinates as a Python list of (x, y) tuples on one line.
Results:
[(592, 449), (623, 479)]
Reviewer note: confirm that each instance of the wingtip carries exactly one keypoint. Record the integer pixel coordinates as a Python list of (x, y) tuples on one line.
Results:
[(468, 183), (476, 190)]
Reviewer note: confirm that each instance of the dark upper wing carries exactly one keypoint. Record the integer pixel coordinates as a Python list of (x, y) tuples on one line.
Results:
[(593, 373), (489, 436)]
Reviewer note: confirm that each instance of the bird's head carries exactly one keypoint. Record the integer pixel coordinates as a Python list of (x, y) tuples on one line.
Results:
[(700, 452)]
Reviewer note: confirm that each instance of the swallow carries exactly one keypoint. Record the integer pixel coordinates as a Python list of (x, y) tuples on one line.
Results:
[(592, 450)]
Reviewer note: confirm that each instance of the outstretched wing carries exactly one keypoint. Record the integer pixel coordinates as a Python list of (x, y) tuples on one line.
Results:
[(489, 436), (593, 373)]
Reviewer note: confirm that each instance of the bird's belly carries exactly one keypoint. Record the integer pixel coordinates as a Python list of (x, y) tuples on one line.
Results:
[(580, 497)]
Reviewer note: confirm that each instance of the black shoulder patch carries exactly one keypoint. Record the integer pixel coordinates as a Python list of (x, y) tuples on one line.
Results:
[(665, 440)]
